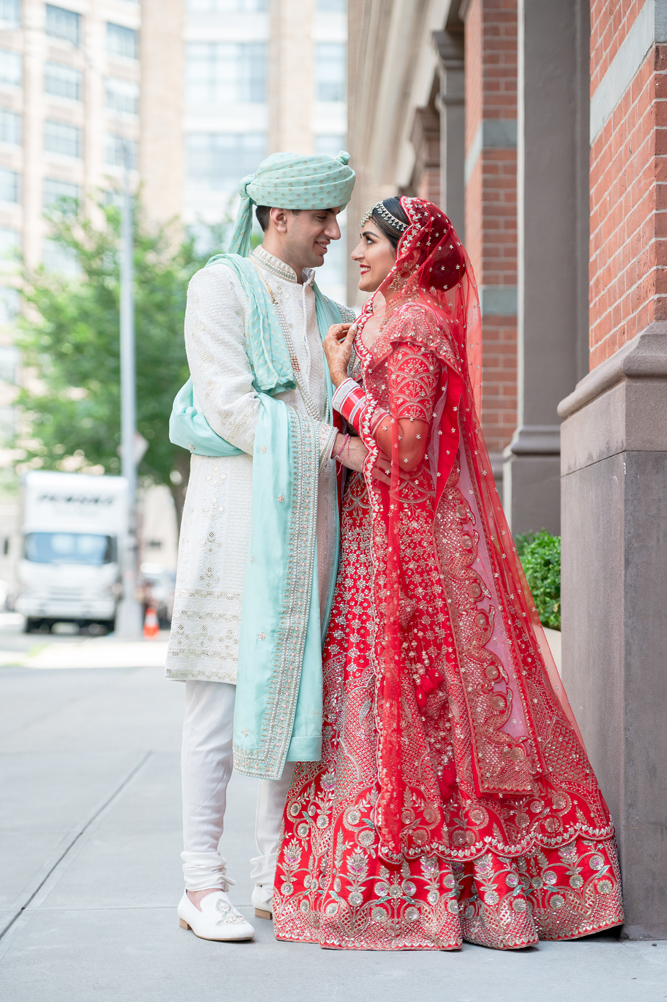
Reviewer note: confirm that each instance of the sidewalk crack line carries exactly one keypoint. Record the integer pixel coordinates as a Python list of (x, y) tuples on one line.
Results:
[(130, 776)]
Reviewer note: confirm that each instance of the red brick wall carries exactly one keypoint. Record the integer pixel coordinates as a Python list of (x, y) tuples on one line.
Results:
[(491, 228), (610, 22), (628, 245), (429, 185)]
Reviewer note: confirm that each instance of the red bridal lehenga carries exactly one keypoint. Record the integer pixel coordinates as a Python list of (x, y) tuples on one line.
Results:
[(454, 800)]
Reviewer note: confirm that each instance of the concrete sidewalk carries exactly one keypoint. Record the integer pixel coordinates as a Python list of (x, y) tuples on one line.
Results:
[(47, 650), (90, 877)]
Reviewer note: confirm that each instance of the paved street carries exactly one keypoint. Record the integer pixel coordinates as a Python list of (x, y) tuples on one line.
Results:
[(90, 874)]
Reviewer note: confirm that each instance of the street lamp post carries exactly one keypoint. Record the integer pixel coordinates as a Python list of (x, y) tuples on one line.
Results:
[(128, 617)]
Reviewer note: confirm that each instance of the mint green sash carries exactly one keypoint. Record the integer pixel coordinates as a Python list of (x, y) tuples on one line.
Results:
[(278, 709), (190, 429)]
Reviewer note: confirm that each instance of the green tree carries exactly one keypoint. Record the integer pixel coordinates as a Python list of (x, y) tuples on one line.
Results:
[(69, 336)]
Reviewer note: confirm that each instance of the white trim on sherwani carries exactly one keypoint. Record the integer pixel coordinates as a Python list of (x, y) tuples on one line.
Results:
[(215, 531)]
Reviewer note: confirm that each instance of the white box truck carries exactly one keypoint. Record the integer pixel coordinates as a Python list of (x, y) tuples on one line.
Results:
[(74, 531)]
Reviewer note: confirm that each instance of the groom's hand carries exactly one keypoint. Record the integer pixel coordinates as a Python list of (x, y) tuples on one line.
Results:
[(355, 453)]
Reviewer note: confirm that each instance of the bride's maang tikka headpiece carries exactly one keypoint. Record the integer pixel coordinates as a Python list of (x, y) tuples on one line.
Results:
[(383, 211)]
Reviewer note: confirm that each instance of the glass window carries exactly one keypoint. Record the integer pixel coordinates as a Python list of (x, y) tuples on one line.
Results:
[(9, 304), (9, 245), (57, 258), (122, 96), (10, 127), (218, 160), (9, 185), (9, 362), (114, 151), (122, 41), (62, 80), (69, 548), (10, 13), (62, 23), (55, 191), (62, 138), (331, 71), (218, 72), (332, 6), (329, 144), (10, 68), (227, 6)]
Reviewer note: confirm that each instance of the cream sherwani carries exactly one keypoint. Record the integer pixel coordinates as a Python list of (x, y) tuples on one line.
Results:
[(215, 532), (216, 527), (215, 537)]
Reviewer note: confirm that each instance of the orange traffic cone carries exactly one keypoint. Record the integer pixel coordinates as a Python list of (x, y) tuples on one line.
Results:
[(151, 625)]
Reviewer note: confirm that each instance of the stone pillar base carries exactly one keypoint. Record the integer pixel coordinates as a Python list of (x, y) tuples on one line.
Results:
[(614, 602), (531, 479)]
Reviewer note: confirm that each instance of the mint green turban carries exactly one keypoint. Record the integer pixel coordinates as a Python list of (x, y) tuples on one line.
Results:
[(292, 181)]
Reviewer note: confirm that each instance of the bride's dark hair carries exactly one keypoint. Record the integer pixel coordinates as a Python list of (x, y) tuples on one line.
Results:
[(393, 206)]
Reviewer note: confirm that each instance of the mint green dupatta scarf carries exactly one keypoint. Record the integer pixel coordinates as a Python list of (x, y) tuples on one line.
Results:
[(278, 709)]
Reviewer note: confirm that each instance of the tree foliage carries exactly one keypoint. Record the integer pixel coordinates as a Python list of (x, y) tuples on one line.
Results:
[(539, 553), (69, 337)]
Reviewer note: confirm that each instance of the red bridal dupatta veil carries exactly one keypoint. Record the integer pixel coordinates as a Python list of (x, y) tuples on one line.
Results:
[(454, 799)]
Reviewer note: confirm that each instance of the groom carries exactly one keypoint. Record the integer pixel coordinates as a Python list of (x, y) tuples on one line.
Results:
[(259, 537)]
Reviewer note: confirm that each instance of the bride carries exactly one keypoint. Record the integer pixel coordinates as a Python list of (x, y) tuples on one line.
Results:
[(454, 800)]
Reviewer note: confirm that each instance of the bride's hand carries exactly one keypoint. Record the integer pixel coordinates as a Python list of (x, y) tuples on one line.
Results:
[(337, 347), (382, 470)]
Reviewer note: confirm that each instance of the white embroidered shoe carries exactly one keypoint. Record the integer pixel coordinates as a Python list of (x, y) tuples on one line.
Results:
[(218, 918), (262, 900)]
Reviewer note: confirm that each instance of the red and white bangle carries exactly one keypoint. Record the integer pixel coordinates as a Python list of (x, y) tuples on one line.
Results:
[(342, 390), (349, 400)]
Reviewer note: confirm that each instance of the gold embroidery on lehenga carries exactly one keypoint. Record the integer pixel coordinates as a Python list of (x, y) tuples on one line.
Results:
[(489, 899), (453, 800)]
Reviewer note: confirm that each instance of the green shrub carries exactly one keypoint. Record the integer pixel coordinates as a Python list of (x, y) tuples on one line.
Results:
[(522, 540), (540, 555)]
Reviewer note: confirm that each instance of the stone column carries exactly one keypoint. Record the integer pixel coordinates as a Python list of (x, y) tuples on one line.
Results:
[(491, 206), (425, 138), (450, 104), (553, 253), (614, 597)]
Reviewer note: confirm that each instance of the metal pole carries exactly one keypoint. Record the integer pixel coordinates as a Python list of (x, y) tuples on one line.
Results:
[(128, 619)]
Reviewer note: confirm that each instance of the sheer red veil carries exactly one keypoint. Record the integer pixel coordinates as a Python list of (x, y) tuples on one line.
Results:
[(461, 656)]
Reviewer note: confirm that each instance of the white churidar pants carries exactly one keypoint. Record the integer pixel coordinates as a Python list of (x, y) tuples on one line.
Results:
[(206, 766)]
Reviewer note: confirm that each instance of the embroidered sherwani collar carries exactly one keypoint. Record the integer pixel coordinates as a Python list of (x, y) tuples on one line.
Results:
[(279, 268)]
